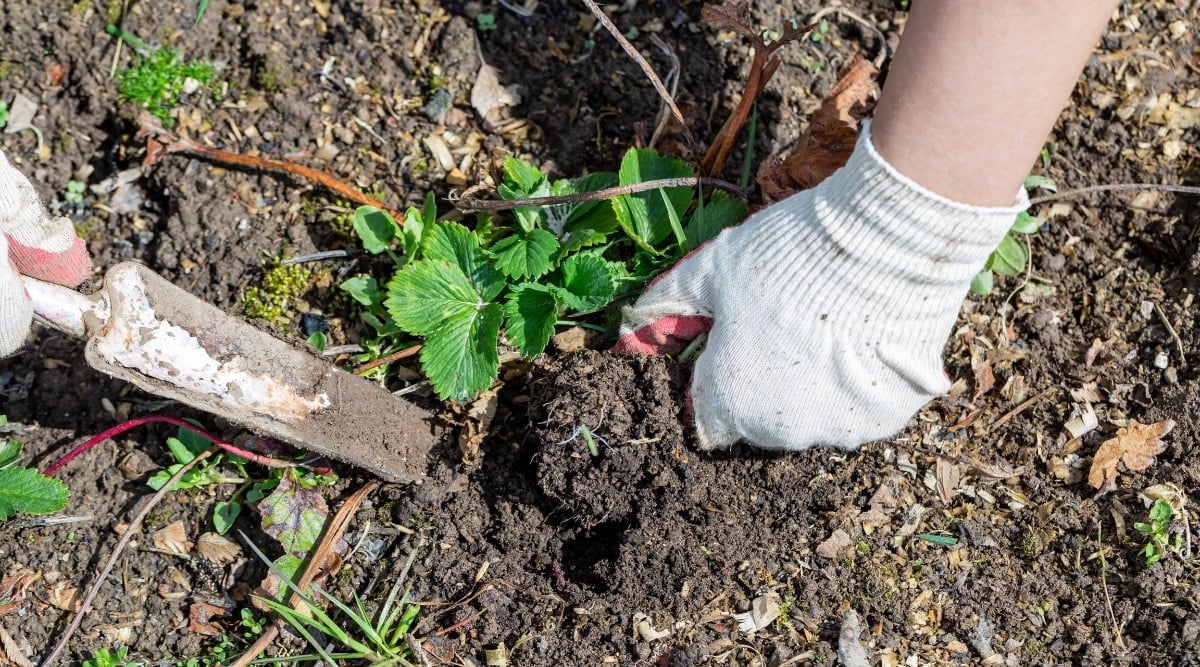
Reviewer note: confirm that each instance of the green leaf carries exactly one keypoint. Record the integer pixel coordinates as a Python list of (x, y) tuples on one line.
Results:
[(1009, 258), (363, 289), (460, 358), (428, 295), (522, 175), (941, 540), (716, 215), (1161, 512), (532, 310), (10, 452), (181, 452), (318, 340), (224, 514), (453, 243), (1026, 223), (560, 216), (580, 238), (982, 283), (588, 282), (676, 225), (643, 216), (1043, 182), (526, 255), (375, 228), (29, 491), (294, 515)]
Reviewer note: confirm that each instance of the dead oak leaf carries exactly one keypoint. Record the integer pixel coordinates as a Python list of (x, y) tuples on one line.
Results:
[(1134, 446)]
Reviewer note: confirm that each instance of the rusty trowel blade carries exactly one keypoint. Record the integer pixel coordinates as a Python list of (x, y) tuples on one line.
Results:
[(170, 343)]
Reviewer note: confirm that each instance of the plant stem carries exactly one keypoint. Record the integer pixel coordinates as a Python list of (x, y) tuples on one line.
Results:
[(470, 204), (1115, 187), (167, 419)]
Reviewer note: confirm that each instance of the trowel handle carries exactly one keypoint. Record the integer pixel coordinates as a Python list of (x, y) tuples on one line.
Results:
[(65, 309)]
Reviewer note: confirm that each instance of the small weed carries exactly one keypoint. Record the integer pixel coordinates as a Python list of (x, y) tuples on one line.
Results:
[(485, 21), (103, 657), (75, 191), (159, 78), (25, 489), (1160, 540), (4, 114), (1011, 257)]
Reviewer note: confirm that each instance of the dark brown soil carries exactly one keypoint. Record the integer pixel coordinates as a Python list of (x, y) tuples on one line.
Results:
[(591, 520)]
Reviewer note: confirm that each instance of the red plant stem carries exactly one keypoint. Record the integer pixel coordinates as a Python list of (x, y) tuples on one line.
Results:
[(181, 423)]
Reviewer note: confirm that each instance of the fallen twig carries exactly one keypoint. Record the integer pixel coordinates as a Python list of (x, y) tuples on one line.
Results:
[(162, 142), (1174, 335), (395, 356), (475, 204), (646, 68), (112, 560), (1115, 187), (316, 560)]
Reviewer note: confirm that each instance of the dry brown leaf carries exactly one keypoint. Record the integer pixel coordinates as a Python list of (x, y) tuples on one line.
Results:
[(200, 619), (172, 538), (831, 135), (217, 549), (1134, 446), (12, 654), (489, 97), (475, 428), (985, 379), (12, 589), (63, 596), (830, 548)]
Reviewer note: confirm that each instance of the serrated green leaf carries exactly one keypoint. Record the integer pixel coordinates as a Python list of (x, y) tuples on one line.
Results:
[(1026, 223), (426, 295), (522, 175), (363, 289), (453, 243), (532, 310), (588, 282), (580, 238), (527, 255), (375, 228), (29, 491), (643, 216), (460, 358), (982, 283), (1009, 258), (715, 216)]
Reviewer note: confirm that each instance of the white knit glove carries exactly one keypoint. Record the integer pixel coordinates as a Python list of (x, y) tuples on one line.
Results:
[(828, 310), (35, 244)]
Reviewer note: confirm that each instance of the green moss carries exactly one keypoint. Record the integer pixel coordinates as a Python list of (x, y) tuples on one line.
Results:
[(156, 82), (7, 68), (281, 285)]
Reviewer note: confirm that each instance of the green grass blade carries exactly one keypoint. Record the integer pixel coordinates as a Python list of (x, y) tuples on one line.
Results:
[(747, 161), (676, 226), (200, 9)]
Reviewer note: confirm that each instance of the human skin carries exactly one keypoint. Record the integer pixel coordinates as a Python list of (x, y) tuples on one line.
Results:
[(975, 89)]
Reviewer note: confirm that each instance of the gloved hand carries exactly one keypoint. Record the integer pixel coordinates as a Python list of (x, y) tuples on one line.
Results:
[(828, 310), (34, 244)]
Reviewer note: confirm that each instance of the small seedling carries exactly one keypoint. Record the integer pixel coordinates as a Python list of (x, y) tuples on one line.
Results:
[(1160, 540), (485, 21), (24, 489), (75, 190), (103, 657), (4, 114), (1011, 257)]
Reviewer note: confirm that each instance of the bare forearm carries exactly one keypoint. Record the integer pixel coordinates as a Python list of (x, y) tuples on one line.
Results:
[(976, 87)]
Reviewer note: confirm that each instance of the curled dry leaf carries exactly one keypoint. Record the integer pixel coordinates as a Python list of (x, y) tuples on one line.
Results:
[(490, 98), (172, 538), (63, 596), (830, 137), (475, 428), (217, 549), (830, 548), (12, 589), (1134, 446), (12, 653)]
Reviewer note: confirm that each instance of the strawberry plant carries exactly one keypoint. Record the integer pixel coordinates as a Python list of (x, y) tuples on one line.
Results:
[(459, 288), (24, 489)]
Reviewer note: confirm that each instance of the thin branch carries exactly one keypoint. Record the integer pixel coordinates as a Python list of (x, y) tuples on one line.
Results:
[(112, 560), (163, 142), (473, 204), (1115, 187), (395, 356), (646, 68)]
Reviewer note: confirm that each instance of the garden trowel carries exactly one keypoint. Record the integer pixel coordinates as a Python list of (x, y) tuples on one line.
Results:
[(142, 329)]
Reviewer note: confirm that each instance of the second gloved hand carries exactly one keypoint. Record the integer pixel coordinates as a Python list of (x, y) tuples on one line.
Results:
[(827, 312)]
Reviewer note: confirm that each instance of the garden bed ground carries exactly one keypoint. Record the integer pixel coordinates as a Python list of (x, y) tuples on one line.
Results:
[(570, 558)]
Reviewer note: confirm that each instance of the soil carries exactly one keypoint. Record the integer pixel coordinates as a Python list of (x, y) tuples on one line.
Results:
[(589, 529)]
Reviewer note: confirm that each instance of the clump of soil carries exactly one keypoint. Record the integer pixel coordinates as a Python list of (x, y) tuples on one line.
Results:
[(601, 421)]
